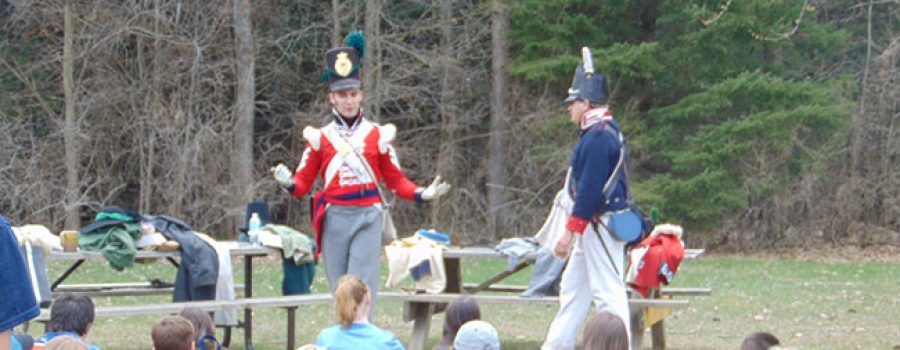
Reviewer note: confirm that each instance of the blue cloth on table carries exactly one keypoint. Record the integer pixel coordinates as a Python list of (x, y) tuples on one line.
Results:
[(436, 237), (199, 269), (15, 306), (421, 270), (517, 249)]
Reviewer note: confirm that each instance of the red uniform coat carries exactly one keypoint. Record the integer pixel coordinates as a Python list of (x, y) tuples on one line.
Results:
[(333, 154)]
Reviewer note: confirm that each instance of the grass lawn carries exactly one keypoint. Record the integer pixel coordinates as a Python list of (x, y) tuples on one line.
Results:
[(807, 304)]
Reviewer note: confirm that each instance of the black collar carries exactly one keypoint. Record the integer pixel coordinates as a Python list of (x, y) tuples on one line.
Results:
[(349, 123)]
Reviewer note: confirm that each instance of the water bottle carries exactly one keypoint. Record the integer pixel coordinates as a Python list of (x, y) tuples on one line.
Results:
[(253, 228)]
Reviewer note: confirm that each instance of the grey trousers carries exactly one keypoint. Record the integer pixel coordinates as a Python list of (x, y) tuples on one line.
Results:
[(352, 245)]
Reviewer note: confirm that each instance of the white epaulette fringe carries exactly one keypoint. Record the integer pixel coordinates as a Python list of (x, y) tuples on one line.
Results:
[(387, 134), (313, 136)]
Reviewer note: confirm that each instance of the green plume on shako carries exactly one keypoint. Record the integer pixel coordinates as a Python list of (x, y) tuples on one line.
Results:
[(357, 40)]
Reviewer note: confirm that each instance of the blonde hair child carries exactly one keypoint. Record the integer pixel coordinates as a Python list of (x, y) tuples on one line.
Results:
[(352, 300)]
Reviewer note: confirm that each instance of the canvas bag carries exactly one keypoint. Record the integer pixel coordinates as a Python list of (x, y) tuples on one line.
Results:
[(388, 230)]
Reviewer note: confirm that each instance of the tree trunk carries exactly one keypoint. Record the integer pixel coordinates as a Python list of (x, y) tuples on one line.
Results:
[(499, 122), (448, 149), (335, 23), (857, 128), (244, 96), (649, 15), (70, 134), (371, 63)]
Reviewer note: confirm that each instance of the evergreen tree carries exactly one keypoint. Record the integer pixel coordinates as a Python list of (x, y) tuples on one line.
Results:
[(718, 97)]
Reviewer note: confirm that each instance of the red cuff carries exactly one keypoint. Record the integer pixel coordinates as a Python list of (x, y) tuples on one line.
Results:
[(576, 224)]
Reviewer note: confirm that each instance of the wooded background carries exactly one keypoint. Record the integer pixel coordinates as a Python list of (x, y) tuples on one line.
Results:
[(754, 123)]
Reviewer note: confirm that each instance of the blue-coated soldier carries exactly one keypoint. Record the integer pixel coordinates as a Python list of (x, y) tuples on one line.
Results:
[(595, 268)]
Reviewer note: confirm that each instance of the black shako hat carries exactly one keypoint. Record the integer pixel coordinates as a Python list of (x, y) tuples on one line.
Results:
[(585, 84), (343, 64)]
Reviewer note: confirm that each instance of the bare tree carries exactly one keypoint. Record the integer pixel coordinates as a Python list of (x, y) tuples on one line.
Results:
[(335, 23), (73, 190), (498, 154), (372, 62), (245, 93), (447, 149)]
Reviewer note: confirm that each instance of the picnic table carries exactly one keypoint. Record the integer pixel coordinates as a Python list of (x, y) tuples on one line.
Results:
[(246, 250), (453, 256)]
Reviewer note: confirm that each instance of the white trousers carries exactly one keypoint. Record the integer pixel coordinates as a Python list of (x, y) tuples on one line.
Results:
[(589, 277)]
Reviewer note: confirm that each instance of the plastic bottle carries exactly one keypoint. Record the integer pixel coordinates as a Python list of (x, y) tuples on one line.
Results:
[(253, 228)]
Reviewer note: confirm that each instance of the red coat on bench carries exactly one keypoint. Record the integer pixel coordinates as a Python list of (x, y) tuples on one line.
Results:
[(656, 259)]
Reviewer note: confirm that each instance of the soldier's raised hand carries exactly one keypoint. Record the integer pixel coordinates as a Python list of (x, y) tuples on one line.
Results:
[(283, 175), (436, 189)]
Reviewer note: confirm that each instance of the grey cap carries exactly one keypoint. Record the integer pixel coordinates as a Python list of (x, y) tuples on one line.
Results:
[(477, 335), (344, 84)]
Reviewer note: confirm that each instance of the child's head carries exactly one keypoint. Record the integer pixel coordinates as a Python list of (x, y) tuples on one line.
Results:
[(477, 335), (203, 325), (351, 298), (460, 311), (605, 331), (72, 313), (759, 341), (173, 333)]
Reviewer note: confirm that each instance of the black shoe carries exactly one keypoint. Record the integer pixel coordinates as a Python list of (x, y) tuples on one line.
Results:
[(158, 283)]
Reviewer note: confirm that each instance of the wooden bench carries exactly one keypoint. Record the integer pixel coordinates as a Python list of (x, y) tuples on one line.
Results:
[(120, 289), (418, 308)]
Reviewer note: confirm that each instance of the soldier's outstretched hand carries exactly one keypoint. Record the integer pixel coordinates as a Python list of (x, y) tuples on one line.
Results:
[(436, 189), (283, 175)]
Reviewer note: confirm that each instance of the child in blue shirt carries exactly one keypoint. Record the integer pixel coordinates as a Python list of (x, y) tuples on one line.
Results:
[(352, 301), (71, 315)]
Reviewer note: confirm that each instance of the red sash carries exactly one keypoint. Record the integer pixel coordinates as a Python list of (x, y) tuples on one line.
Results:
[(318, 218)]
